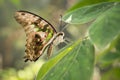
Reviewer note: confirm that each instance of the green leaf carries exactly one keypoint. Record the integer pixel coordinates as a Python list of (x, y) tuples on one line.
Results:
[(106, 27), (112, 74), (108, 59), (82, 3), (118, 44), (87, 13), (75, 62)]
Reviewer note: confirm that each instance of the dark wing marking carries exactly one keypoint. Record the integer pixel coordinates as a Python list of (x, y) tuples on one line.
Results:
[(40, 18)]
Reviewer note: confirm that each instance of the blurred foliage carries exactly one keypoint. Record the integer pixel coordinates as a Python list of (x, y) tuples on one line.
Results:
[(27, 73), (96, 19)]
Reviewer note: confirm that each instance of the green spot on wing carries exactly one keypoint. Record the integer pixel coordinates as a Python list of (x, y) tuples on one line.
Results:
[(50, 34), (36, 29)]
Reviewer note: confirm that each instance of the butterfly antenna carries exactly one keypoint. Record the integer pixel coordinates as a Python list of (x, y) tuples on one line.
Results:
[(62, 26)]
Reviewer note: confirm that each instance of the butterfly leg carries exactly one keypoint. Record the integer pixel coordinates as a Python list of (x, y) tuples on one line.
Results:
[(67, 40), (49, 51)]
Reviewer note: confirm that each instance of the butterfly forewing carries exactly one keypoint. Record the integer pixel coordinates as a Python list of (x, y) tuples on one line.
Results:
[(38, 32)]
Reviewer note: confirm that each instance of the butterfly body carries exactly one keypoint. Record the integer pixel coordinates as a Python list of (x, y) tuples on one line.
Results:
[(40, 35)]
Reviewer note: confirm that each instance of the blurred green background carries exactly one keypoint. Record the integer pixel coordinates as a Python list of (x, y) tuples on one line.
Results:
[(12, 35), (13, 39)]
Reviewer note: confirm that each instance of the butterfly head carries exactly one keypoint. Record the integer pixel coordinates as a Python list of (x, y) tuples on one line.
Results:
[(59, 38)]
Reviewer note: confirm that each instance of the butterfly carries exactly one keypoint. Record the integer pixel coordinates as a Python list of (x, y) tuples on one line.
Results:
[(41, 35)]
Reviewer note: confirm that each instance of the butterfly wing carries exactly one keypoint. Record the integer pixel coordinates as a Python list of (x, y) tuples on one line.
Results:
[(38, 32)]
